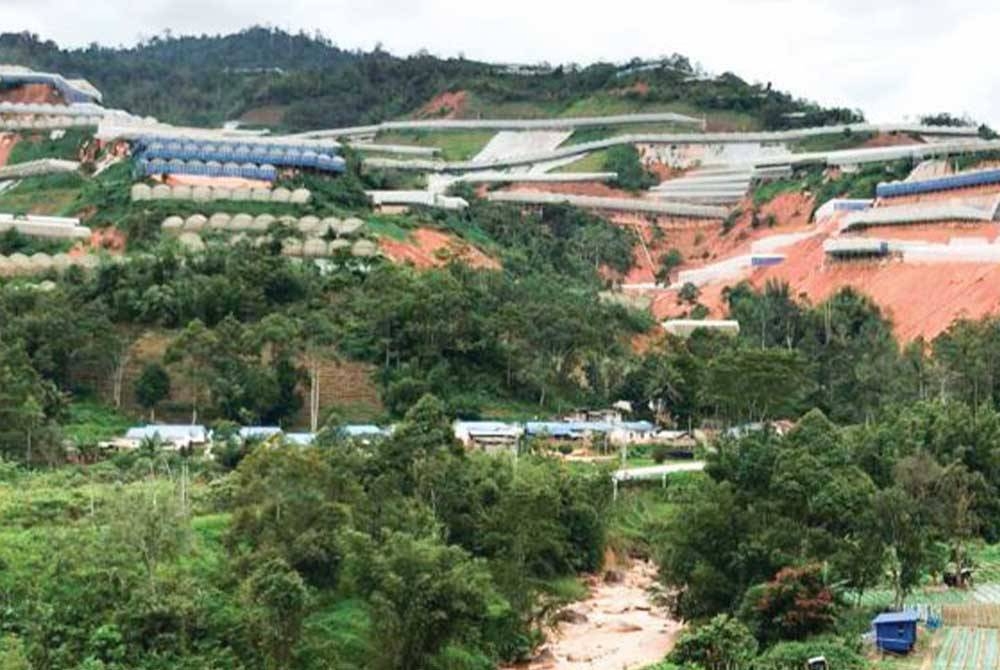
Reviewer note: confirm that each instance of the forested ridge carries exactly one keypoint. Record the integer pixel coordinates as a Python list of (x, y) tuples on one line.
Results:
[(205, 80)]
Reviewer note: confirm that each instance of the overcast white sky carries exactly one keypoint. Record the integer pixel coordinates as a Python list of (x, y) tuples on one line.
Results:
[(891, 58)]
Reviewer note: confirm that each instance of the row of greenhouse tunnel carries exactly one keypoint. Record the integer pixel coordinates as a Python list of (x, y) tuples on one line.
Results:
[(159, 156), (311, 226), (312, 247), (204, 193)]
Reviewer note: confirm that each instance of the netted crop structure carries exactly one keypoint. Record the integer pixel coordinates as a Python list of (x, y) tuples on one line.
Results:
[(855, 247), (614, 204), (916, 214), (44, 226), (308, 248), (39, 167), (307, 226), (72, 90), (231, 157), (947, 183), (203, 193)]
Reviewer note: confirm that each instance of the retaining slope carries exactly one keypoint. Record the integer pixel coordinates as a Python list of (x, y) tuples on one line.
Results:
[(914, 214), (615, 204)]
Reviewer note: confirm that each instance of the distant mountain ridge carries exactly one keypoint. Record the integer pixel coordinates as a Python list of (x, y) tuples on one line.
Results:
[(305, 81)]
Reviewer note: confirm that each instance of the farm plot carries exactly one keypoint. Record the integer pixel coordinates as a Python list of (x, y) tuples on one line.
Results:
[(987, 593), (928, 596), (968, 649)]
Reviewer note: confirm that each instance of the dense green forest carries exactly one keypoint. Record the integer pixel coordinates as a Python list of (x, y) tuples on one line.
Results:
[(205, 80)]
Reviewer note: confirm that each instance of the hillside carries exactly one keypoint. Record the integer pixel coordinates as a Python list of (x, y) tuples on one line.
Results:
[(300, 81), (490, 366)]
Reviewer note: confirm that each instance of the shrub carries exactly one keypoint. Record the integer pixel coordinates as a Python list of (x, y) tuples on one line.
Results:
[(669, 262), (730, 221), (689, 293), (720, 644), (660, 453), (795, 604), (625, 161), (793, 655), (699, 312)]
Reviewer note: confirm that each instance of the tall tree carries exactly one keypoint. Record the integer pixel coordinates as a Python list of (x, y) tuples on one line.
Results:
[(193, 350)]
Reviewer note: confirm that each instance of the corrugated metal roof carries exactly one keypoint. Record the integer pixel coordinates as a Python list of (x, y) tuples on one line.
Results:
[(908, 616), (170, 433)]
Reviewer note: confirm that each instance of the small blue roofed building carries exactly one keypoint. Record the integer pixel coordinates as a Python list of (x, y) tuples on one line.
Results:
[(896, 632)]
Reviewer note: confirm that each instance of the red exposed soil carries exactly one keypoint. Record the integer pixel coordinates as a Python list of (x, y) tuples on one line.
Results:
[(639, 88), (110, 239), (941, 233), (663, 171), (701, 241), (592, 188), (447, 105), (215, 182), (32, 93), (270, 115), (667, 306), (7, 143), (922, 299), (891, 140), (790, 210), (429, 248)]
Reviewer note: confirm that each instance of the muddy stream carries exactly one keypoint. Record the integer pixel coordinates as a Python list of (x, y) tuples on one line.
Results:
[(617, 627)]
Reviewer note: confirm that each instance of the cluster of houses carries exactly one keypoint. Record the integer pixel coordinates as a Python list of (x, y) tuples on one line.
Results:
[(492, 436), (181, 436), (604, 428)]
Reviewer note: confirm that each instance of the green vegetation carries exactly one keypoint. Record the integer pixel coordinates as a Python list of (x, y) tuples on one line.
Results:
[(831, 142), (595, 133), (88, 422), (52, 195), (592, 162), (824, 187), (624, 160), (38, 145), (455, 145), (13, 242), (289, 562), (213, 79)]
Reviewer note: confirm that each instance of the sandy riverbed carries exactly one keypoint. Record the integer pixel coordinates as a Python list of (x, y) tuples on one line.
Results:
[(622, 629)]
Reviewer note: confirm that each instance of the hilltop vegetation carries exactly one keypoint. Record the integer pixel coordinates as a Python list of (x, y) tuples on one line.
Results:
[(311, 83)]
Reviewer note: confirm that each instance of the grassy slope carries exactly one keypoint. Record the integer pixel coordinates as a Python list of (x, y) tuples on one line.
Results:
[(592, 162), (831, 142), (599, 104), (455, 145), (38, 145), (48, 195)]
